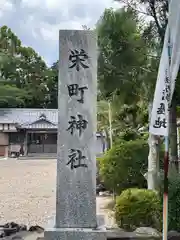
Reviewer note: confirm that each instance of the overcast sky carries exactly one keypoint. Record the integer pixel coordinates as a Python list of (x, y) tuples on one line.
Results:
[(36, 22)]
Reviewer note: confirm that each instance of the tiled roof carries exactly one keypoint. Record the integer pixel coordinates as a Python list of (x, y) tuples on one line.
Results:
[(27, 115)]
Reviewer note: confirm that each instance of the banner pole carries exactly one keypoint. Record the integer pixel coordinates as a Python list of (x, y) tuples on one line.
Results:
[(166, 163), (165, 195)]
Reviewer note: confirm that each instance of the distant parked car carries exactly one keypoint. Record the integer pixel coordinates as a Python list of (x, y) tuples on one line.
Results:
[(100, 188)]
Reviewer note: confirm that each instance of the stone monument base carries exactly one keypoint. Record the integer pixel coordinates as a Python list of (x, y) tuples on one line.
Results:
[(74, 234)]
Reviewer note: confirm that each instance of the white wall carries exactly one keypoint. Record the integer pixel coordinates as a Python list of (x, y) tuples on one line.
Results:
[(7, 127)]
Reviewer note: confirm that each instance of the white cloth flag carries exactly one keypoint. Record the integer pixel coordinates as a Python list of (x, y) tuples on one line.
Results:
[(159, 124), (159, 114)]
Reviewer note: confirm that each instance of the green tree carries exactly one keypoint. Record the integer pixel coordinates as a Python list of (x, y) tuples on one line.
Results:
[(10, 95), (157, 11), (125, 71), (33, 77), (52, 85), (25, 68), (122, 54)]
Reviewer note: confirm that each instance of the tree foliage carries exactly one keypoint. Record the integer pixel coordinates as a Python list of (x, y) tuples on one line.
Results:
[(24, 74), (157, 13), (122, 53), (126, 70)]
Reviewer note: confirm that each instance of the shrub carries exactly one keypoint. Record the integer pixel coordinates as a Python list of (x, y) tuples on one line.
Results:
[(123, 166), (137, 208)]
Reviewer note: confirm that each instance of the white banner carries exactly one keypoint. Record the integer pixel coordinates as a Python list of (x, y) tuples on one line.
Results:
[(159, 115), (159, 124)]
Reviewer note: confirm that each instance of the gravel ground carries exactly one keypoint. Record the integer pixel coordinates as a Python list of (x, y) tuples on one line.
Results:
[(27, 191)]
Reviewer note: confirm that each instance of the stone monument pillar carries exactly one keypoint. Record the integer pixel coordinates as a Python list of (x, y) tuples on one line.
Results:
[(76, 161)]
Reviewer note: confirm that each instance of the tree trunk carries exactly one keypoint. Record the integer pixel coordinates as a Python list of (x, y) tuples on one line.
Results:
[(153, 159), (108, 144), (173, 135), (153, 163)]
